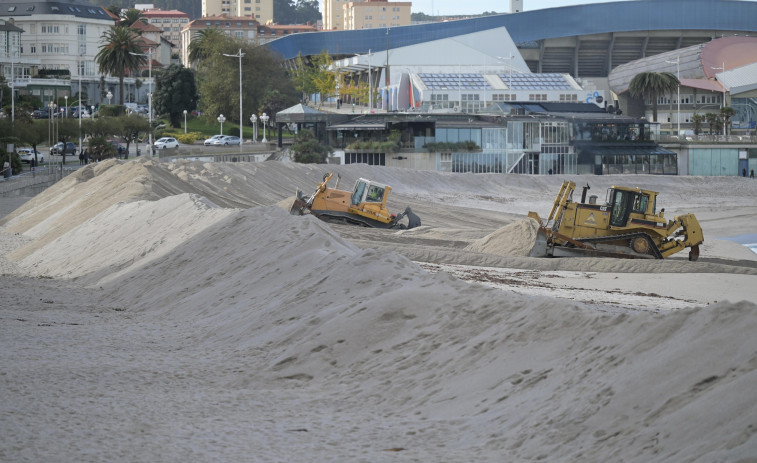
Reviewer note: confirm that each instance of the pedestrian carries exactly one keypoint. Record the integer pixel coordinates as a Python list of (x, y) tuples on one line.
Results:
[(81, 157), (743, 172), (7, 169), (751, 173)]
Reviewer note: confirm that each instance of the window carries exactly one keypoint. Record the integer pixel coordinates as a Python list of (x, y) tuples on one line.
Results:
[(11, 9)]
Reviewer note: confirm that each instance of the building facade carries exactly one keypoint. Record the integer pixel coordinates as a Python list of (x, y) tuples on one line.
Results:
[(375, 13), (261, 10), (169, 22), (332, 12), (243, 28), (57, 48)]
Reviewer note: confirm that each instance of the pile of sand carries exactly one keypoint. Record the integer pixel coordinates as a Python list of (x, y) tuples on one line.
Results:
[(515, 239), (202, 333)]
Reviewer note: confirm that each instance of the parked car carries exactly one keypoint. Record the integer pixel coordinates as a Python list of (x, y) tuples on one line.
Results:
[(166, 142), (59, 148), (211, 140), (27, 155), (40, 114), (227, 140)]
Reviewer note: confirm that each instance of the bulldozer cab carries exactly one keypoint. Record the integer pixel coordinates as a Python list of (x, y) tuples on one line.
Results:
[(368, 192), (626, 201)]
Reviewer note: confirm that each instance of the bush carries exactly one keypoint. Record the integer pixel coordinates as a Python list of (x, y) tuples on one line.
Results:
[(189, 138), (111, 110), (443, 147), (100, 148), (308, 150)]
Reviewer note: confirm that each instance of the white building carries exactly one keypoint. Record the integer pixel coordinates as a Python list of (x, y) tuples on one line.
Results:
[(57, 48)]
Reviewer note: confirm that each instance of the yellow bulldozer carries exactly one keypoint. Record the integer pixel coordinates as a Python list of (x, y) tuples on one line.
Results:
[(365, 205), (625, 225)]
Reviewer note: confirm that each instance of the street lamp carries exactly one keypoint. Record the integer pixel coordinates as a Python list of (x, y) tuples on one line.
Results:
[(13, 88), (148, 55), (66, 98), (185, 121), (221, 119), (722, 105), (254, 120), (80, 107), (239, 55), (109, 96), (264, 119), (678, 76)]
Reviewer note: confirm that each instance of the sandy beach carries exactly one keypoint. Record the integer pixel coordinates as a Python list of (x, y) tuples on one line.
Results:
[(174, 312)]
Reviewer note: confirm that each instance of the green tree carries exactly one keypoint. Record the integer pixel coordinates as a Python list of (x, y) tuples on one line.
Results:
[(116, 58), (650, 85), (207, 43), (325, 76), (273, 102), (175, 91), (726, 113), (100, 148), (712, 119), (308, 150), (697, 120), (303, 77), (218, 79), (34, 134), (128, 128), (115, 10), (130, 16)]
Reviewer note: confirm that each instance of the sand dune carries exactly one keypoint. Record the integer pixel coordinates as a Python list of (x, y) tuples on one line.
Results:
[(174, 312)]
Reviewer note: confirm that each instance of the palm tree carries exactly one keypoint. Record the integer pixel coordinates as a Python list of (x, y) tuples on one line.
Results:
[(726, 113), (115, 57), (652, 84), (203, 44), (131, 16)]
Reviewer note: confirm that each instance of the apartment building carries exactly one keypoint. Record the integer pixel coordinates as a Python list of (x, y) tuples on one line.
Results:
[(372, 14), (170, 23), (364, 14), (261, 10), (57, 47), (240, 27), (333, 15)]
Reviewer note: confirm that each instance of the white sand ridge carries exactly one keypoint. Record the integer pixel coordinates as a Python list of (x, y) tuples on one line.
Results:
[(252, 332)]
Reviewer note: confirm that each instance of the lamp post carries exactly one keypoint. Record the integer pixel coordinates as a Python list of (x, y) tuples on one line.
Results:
[(241, 125), (254, 120), (66, 98), (722, 105), (264, 119), (51, 125), (221, 119), (678, 76), (80, 107), (109, 96), (185, 121), (13, 90), (148, 55)]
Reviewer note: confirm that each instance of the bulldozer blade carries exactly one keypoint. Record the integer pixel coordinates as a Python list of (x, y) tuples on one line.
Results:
[(540, 245), (412, 219), (299, 207)]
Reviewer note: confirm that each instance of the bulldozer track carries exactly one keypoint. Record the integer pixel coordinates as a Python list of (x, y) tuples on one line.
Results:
[(653, 249)]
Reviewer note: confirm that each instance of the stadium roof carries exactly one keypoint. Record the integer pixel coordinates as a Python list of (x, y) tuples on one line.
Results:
[(530, 26)]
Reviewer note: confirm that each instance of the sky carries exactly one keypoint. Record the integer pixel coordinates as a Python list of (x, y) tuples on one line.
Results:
[(457, 7)]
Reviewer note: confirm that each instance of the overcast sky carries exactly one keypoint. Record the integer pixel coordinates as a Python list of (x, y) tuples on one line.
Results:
[(456, 7)]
